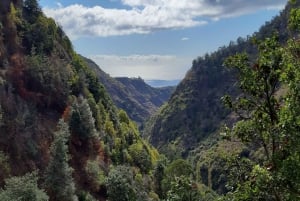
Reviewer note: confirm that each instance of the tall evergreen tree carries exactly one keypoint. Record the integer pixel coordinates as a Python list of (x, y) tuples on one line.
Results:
[(82, 121), (58, 177)]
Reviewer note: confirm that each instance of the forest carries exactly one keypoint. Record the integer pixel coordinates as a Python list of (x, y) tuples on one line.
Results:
[(230, 131)]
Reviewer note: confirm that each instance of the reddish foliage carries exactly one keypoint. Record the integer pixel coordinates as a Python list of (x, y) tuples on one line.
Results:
[(17, 76), (67, 113)]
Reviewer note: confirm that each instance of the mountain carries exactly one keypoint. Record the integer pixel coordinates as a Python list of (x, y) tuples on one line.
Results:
[(195, 110), (133, 95), (61, 136), (189, 125)]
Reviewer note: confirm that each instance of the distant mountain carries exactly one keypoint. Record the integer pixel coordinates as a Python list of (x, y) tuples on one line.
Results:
[(162, 83), (133, 95)]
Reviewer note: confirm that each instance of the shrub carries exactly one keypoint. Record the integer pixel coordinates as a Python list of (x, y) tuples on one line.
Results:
[(23, 188)]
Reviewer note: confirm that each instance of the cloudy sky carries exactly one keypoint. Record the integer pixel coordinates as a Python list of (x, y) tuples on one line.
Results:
[(156, 39)]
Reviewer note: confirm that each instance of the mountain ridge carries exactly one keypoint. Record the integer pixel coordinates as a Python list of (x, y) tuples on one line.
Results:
[(133, 95), (195, 110)]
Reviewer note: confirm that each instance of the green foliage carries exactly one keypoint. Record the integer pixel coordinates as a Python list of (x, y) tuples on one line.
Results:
[(120, 184), (159, 175), (82, 122), (95, 174), (58, 175), (97, 114), (48, 79), (40, 35), (178, 168), (13, 22), (211, 159), (183, 189), (123, 117), (294, 17), (15, 14), (269, 121), (258, 107), (109, 127), (141, 157), (4, 166), (289, 156), (89, 79), (23, 188), (84, 196), (32, 10)]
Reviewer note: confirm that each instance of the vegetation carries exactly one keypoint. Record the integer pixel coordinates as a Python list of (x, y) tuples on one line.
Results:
[(23, 188), (189, 124), (59, 119), (58, 176), (133, 95), (61, 123), (195, 111)]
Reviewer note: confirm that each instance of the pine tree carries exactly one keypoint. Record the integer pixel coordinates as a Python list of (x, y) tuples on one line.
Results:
[(58, 177), (82, 121)]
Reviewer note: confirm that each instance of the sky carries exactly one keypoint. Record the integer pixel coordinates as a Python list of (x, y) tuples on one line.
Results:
[(156, 39)]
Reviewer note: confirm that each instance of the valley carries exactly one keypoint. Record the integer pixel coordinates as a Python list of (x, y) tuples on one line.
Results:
[(71, 132)]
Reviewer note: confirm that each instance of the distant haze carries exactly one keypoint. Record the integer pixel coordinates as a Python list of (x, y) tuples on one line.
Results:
[(162, 83)]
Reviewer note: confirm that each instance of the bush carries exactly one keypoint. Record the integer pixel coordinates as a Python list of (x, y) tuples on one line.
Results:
[(95, 174), (120, 185), (23, 188), (141, 157)]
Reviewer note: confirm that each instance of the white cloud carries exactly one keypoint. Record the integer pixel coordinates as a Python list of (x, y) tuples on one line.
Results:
[(146, 16), (59, 5), (165, 67), (185, 38)]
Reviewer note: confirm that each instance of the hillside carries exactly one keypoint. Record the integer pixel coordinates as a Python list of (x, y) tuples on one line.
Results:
[(61, 136), (133, 95), (232, 160), (195, 110)]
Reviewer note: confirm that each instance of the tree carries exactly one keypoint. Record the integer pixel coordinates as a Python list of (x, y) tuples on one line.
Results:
[(82, 121), (269, 120), (120, 184), (159, 174), (22, 189), (32, 10), (176, 169), (140, 156), (183, 189), (4, 167), (58, 175)]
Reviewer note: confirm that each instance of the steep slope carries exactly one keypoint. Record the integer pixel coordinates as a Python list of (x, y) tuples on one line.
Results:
[(195, 110), (57, 119), (133, 95)]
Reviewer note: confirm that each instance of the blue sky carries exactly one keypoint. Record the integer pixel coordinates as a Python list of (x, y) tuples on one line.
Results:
[(156, 39)]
